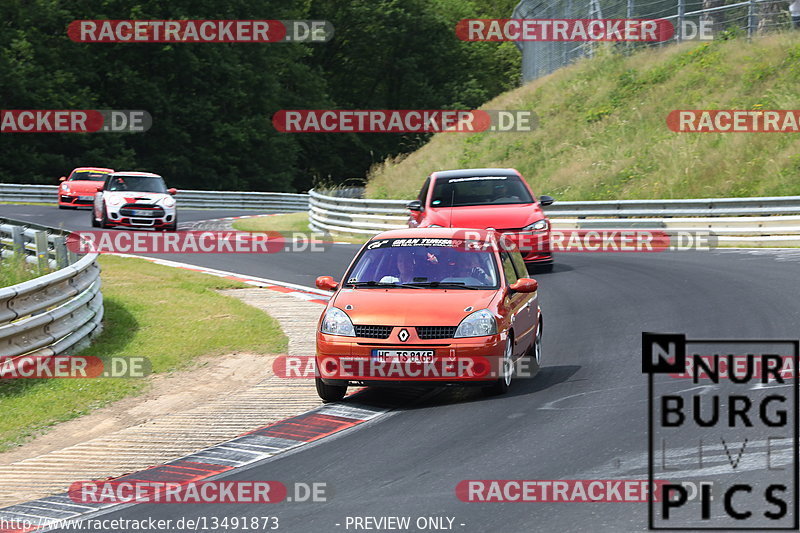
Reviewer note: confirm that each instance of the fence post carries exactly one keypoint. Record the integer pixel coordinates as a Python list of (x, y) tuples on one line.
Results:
[(18, 240), (751, 18), (679, 20), (40, 243), (60, 247)]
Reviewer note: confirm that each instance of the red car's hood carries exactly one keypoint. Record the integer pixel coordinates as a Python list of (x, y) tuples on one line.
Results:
[(80, 186), (411, 307), (487, 216)]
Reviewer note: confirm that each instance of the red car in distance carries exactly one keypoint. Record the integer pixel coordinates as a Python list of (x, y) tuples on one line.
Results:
[(80, 187), (487, 198)]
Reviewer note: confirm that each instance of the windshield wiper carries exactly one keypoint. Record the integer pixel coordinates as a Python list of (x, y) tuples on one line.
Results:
[(379, 284), (447, 285)]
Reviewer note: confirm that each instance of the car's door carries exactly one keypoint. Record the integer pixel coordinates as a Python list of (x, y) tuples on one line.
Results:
[(530, 314), (518, 304)]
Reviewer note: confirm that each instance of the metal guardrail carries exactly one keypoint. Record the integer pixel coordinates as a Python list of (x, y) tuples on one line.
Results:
[(268, 201), (55, 312), (770, 221), (42, 246)]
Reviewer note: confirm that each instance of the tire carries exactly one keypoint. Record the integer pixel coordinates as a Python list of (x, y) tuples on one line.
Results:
[(330, 393), (95, 223), (536, 348), (104, 219), (502, 385)]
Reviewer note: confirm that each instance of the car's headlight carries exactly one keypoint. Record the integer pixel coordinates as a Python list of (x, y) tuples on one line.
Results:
[(65, 187), (539, 225), (114, 200), (336, 322), (478, 324), (435, 226), (169, 201)]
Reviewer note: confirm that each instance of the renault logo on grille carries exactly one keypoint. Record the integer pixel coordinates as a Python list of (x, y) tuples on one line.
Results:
[(403, 335)]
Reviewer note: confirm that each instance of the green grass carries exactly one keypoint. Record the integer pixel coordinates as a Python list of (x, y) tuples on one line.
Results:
[(166, 314), (603, 135), (14, 270), (291, 223)]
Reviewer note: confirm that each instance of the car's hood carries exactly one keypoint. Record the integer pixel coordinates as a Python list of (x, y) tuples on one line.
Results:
[(131, 197), (411, 307), (489, 216), (81, 186)]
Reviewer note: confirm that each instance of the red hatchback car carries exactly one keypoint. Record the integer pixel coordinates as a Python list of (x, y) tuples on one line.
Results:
[(80, 187), (487, 198)]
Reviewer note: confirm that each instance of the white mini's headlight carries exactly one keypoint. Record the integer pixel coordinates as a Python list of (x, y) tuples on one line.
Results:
[(539, 225), (435, 226), (169, 201), (114, 200), (478, 324), (336, 322)]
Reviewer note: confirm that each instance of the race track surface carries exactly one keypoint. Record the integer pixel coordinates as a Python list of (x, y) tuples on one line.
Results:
[(583, 417)]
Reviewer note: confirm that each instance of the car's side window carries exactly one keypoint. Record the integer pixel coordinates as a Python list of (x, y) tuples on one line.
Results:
[(508, 267), (519, 264), (423, 193)]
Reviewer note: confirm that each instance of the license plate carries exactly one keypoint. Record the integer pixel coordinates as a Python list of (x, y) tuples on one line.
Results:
[(85, 198), (140, 213), (403, 356)]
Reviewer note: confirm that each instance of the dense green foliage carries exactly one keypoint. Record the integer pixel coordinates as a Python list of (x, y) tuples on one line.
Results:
[(211, 103)]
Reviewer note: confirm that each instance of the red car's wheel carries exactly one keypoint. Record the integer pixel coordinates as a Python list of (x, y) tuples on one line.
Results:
[(502, 385), (330, 393)]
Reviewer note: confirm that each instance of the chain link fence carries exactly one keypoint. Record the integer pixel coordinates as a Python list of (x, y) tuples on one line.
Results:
[(722, 17)]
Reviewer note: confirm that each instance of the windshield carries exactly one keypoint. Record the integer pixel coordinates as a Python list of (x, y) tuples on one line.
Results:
[(479, 190), (418, 263), (88, 175), (137, 184)]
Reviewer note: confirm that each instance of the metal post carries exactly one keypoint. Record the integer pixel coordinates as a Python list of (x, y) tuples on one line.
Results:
[(40, 243), (629, 12), (679, 21), (751, 18), (18, 239), (60, 247)]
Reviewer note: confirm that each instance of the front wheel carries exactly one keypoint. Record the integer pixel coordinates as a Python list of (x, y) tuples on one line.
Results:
[(502, 385), (330, 393), (104, 219)]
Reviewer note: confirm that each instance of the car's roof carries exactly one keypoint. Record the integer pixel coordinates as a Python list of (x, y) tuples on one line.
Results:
[(434, 233), (475, 172), (95, 169), (129, 173)]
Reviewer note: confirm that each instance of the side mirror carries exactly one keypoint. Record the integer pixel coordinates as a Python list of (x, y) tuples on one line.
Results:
[(62, 178), (172, 191), (525, 285), (327, 283), (414, 205), (546, 200)]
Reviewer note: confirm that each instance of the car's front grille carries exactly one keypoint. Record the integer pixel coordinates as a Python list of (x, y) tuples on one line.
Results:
[(138, 210), (373, 332), (436, 332)]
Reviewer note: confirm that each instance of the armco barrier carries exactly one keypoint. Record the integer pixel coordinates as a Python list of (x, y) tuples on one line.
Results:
[(267, 201), (42, 246), (768, 221), (53, 313)]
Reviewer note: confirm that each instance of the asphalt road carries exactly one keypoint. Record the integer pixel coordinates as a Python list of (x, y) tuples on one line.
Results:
[(583, 417)]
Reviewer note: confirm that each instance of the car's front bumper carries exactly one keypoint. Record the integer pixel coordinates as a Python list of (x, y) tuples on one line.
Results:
[(472, 360)]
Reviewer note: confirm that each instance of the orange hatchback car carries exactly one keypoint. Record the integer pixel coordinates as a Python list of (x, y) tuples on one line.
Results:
[(434, 306)]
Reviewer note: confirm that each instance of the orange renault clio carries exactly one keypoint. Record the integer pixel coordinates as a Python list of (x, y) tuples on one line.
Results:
[(435, 306)]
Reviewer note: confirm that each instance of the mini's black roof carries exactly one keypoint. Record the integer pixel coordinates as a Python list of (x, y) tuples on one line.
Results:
[(474, 172)]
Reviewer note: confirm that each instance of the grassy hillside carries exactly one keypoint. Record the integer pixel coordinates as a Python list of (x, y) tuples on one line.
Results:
[(603, 131)]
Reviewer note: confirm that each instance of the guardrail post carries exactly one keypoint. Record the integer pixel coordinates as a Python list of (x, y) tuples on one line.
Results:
[(679, 20), (60, 247), (42, 253), (751, 18), (18, 239)]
